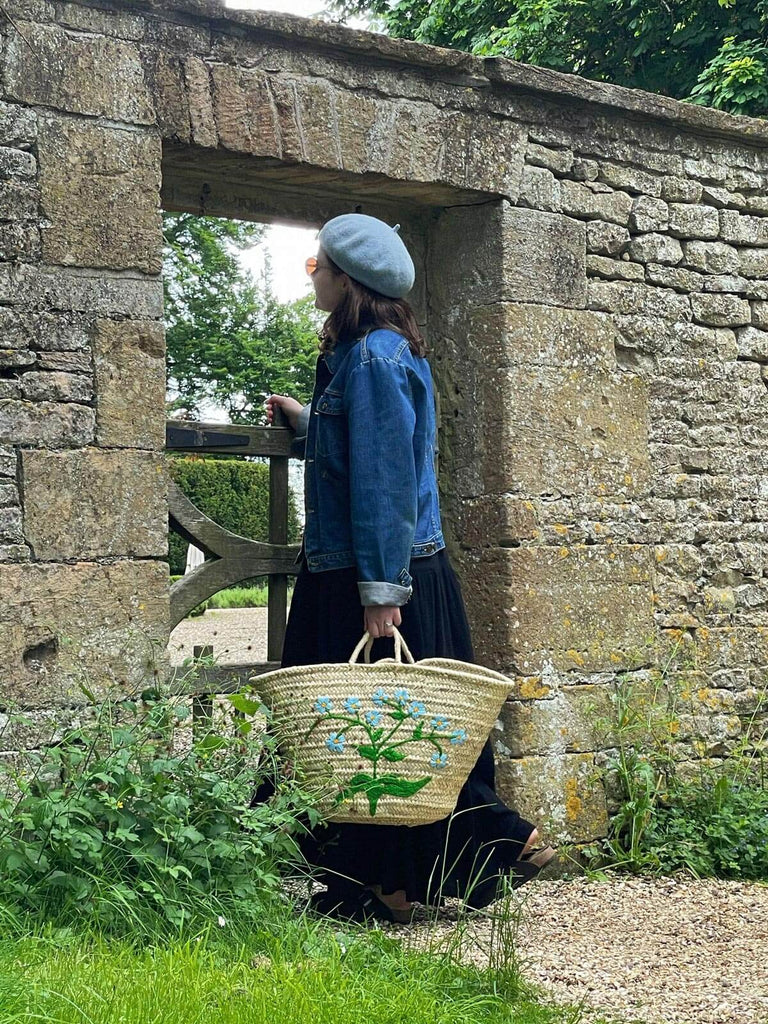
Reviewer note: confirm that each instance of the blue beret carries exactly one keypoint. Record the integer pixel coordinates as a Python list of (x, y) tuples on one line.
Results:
[(370, 251)]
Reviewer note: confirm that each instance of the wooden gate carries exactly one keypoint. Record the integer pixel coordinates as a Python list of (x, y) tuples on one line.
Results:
[(229, 557)]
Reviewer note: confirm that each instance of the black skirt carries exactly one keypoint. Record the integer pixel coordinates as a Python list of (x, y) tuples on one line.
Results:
[(463, 855)]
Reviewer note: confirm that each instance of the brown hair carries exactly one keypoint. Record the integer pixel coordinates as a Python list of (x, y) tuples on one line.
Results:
[(362, 309)]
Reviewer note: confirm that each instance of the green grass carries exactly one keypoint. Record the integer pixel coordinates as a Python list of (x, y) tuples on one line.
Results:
[(235, 597), (308, 973)]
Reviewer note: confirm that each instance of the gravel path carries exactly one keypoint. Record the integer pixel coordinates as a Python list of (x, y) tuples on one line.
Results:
[(237, 635), (661, 951)]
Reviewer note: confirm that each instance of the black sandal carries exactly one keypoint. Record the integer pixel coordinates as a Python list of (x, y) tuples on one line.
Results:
[(362, 907), (528, 866)]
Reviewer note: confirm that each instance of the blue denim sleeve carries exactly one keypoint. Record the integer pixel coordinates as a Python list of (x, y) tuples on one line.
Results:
[(299, 442), (382, 479)]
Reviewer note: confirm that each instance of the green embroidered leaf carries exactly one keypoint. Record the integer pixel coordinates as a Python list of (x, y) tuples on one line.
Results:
[(398, 716), (404, 787), (367, 751), (393, 755), (376, 735), (418, 731)]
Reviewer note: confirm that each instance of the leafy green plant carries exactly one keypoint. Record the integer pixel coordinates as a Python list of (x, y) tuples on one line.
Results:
[(137, 820), (715, 824)]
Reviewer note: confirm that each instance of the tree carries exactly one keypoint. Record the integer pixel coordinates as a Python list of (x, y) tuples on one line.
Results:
[(713, 52), (229, 340)]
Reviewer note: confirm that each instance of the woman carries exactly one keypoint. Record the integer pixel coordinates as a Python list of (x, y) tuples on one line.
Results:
[(374, 557)]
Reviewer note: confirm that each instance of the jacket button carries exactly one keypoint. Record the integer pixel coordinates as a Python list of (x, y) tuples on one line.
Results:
[(430, 547)]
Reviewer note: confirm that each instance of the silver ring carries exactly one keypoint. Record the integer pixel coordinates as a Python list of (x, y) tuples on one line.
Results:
[(387, 623)]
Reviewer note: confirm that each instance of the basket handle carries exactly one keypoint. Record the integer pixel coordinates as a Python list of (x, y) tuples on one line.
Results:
[(401, 647)]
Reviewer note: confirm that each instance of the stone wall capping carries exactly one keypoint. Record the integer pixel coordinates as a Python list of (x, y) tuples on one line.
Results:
[(483, 71)]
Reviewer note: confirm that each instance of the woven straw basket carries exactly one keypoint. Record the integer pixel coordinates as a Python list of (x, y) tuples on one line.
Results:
[(389, 742)]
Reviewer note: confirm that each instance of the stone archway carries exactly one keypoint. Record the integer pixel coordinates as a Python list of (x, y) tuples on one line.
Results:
[(592, 283)]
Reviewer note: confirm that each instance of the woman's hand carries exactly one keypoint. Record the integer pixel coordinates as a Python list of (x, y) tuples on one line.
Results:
[(379, 619), (290, 407)]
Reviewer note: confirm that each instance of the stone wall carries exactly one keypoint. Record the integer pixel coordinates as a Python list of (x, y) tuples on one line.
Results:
[(593, 266)]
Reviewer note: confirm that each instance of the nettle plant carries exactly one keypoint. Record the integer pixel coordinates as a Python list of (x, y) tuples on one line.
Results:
[(392, 724)]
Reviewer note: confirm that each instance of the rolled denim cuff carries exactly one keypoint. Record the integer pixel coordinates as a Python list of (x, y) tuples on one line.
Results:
[(299, 442), (384, 594)]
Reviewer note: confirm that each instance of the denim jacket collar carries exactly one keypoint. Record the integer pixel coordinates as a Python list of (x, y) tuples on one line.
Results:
[(339, 353)]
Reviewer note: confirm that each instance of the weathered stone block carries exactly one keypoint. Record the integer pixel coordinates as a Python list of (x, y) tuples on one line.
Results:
[(760, 314), (94, 504), (681, 190), (497, 520), (565, 429), (19, 201), (84, 74), (752, 262), (19, 242), (17, 163), (606, 239), (630, 179), (742, 229), (574, 719), (616, 296), (101, 192), (726, 283), (81, 290), (14, 552), (690, 221), (8, 462), (721, 310), (198, 94), (649, 214), (57, 386), (580, 201), (614, 270), (18, 124), (63, 625), (721, 197), (129, 359), (753, 344), (540, 189), (16, 358), (69, 362), (655, 248), (518, 334), (10, 525), (712, 257), (9, 495), (516, 255), (674, 277), (559, 160), (563, 792), (50, 424)]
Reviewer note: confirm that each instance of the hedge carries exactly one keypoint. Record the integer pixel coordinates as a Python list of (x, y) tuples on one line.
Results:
[(232, 492)]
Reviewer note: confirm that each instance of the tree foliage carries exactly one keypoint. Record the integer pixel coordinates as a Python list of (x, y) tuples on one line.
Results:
[(229, 340), (713, 52)]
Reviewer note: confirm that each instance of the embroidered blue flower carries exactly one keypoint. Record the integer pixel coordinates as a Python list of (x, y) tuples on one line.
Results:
[(379, 697), (416, 709), (440, 723), (438, 760), (372, 718), (352, 705), (402, 697), (323, 705), (459, 737), (336, 741)]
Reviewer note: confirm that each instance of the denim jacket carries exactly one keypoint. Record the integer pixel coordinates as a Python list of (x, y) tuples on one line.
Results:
[(370, 492)]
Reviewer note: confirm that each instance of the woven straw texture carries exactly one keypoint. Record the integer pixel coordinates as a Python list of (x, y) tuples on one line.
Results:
[(391, 742)]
